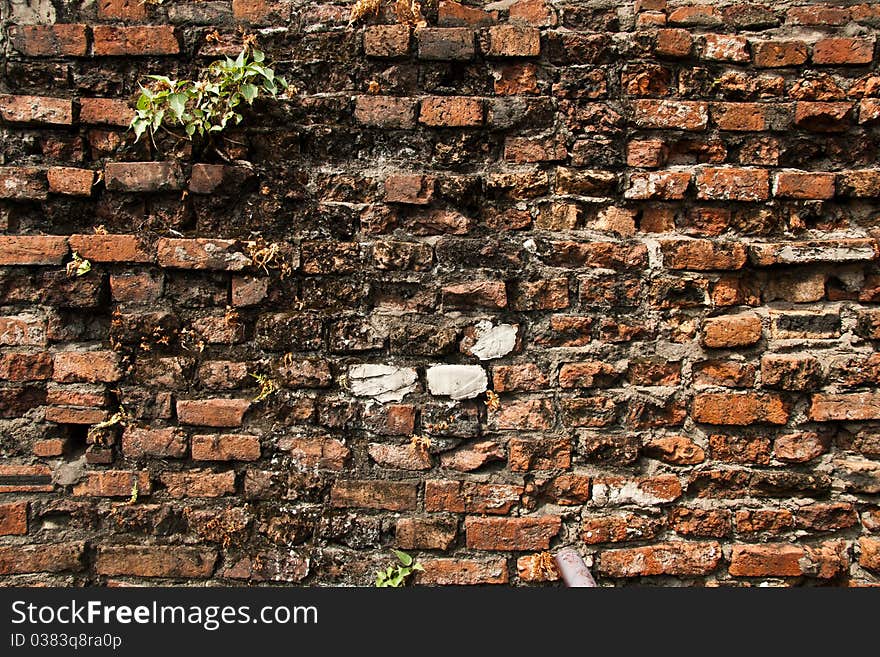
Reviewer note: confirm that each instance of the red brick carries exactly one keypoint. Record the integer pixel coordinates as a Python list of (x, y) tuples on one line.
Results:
[(27, 478), (110, 248), (716, 523), (869, 110), (731, 374), (212, 412), (222, 255), (675, 449), (60, 40), (673, 42), (790, 371), (870, 553), (725, 48), (702, 15), (386, 40), (671, 114), (22, 183), (414, 189), (740, 449), (71, 415), (620, 529), (87, 366), (540, 295), (826, 517), (370, 494), (673, 558), (824, 15), (77, 395), (32, 249), (778, 54), (162, 443), (472, 457), (823, 117), (540, 567), (588, 374), (786, 560), (317, 452), (250, 10), (13, 519), (518, 378), (513, 41), (485, 294), (470, 497), (732, 331), (70, 181), (114, 483), (36, 109), (827, 407), (524, 415), (532, 12), (145, 287), (739, 408), (733, 184), (132, 10), (524, 150), (385, 111), (23, 331), (523, 533), (837, 51), (772, 521), (424, 533), (664, 185), (650, 491), (403, 457), (703, 255), (106, 111), (455, 14), (155, 561), (463, 572), (646, 153), (143, 176), (864, 183), (451, 111), (24, 367), (445, 43), (226, 447), (138, 40), (513, 79), (740, 117), (568, 490), (527, 454), (800, 447), (198, 483), (43, 558), (803, 185), (248, 290)]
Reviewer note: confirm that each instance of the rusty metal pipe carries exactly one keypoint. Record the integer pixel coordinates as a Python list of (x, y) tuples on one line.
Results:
[(573, 569)]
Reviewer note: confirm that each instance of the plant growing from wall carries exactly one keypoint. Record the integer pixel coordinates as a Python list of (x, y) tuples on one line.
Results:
[(396, 575), (198, 109)]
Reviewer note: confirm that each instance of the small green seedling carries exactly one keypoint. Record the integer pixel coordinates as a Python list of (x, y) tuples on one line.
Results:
[(79, 266), (396, 574)]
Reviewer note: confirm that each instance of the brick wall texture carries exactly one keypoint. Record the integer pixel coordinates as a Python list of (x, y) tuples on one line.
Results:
[(543, 273)]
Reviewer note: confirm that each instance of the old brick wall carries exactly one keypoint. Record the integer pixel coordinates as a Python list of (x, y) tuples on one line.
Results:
[(590, 273)]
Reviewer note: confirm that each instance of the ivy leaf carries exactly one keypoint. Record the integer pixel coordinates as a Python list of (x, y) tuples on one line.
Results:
[(258, 56), (249, 91), (177, 103), (403, 557), (418, 566)]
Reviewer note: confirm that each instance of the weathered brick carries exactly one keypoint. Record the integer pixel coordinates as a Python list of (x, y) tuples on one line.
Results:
[(155, 561), (137, 40), (198, 483), (415, 189), (13, 519), (673, 42), (114, 483), (445, 43), (733, 184), (523, 533), (212, 412), (662, 185), (386, 40), (836, 51), (463, 572), (70, 181), (825, 407), (823, 117), (732, 331), (786, 560), (110, 248), (451, 111), (22, 183), (36, 109), (739, 408), (224, 255), (424, 533), (385, 111), (374, 494), (26, 330), (527, 454), (105, 111), (671, 114), (778, 54), (317, 452), (470, 497), (673, 558), (43, 558), (703, 255), (725, 48), (60, 40), (162, 443), (513, 41), (87, 366), (143, 176)]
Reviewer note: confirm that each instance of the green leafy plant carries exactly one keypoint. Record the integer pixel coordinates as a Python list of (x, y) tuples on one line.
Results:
[(79, 266), (207, 105), (396, 574)]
